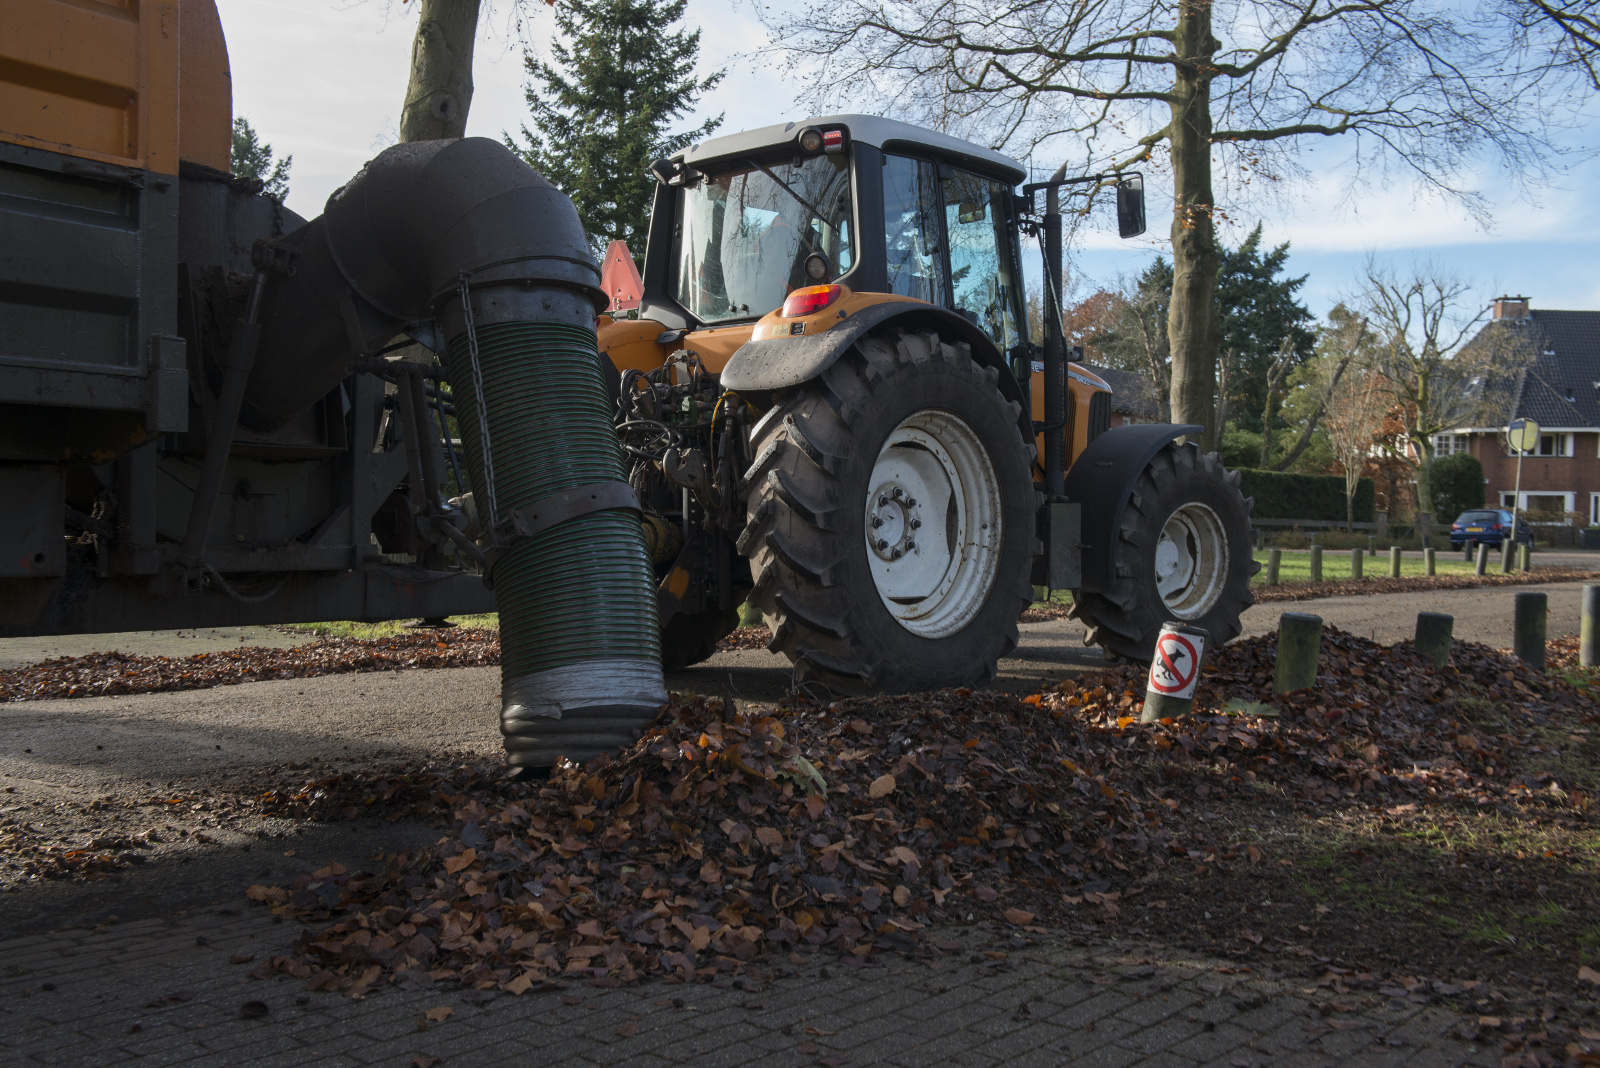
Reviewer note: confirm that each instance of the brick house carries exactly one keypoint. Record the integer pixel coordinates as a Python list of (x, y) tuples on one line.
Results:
[(1555, 382)]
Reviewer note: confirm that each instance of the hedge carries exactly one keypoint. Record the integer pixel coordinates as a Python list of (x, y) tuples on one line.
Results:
[(1280, 495)]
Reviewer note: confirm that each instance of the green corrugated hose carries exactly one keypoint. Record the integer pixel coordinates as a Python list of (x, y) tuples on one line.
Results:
[(581, 590)]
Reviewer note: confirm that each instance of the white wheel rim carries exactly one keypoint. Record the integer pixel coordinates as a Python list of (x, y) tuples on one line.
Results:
[(933, 524), (1191, 561)]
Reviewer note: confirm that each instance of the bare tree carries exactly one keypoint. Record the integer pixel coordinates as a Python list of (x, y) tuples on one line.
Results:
[(1570, 30), (439, 92), (1424, 321), (1420, 85), (1343, 340), (1281, 363), (1355, 406)]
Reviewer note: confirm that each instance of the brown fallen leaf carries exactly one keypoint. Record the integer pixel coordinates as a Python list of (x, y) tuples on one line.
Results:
[(628, 1030), (1587, 974), (424, 1062), (808, 1047), (1019, 916), (833, 1060), (241, 958), (460, 860), (882, 786), (810, 1030), (440, 1014), (519, 985)]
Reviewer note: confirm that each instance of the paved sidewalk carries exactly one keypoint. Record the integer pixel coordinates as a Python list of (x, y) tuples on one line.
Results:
[(163, 991)]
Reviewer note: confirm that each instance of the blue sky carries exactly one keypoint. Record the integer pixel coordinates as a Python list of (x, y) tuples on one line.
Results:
[(324, 79)]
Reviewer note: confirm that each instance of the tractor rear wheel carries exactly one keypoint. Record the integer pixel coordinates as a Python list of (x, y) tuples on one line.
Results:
[(890, 519), (1184, 552)]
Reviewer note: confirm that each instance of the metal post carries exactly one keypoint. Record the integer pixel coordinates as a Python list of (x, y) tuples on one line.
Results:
[(1524, 557), (1174, 672), (1589, 628), (1528, 628), (1430, 562), (1355, 564), (1316, 563), (1372, 545), (1482, 566), (1508, 556), (1433, 636), (1394, 561), (1274, 565), (1299, 649), (1055, 356)]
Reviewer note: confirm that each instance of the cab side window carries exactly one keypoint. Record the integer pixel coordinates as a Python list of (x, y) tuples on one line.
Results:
[(983, 258), (911, 229)]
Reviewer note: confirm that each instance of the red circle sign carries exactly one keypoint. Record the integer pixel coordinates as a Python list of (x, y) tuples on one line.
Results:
[(1175, 665)]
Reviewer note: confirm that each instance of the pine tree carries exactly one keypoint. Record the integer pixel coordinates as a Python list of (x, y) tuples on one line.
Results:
[(252, 159), (619, 77)]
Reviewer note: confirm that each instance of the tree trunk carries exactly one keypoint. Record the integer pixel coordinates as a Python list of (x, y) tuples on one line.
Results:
[(1193, 329), (440, 91), (1424, 474)]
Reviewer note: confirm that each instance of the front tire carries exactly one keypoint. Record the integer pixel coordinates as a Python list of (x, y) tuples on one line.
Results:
[(1184, 552), (890, 519)]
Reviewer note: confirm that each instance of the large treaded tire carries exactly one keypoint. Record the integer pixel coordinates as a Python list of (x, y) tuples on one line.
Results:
[(806, 495), (689, 639), (1126, 619)]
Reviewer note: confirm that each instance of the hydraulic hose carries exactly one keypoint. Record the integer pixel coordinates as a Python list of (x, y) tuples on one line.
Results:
[(466, 235)]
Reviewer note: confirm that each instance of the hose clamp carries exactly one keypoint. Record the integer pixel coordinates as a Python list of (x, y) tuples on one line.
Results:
[(553, 510)]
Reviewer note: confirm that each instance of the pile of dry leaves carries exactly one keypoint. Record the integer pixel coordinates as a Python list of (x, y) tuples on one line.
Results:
[(103, 674), (720, 840)]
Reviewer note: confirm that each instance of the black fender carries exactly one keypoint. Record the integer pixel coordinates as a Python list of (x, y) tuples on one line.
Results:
[(785, 362), (1102, 480)]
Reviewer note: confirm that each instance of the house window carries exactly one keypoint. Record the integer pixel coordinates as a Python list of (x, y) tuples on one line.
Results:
[(1546, 507), (1594, 509), (1450, 444), (1551, 445)]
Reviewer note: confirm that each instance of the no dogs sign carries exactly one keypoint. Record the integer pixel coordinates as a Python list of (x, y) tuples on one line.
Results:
[(1175, 668)]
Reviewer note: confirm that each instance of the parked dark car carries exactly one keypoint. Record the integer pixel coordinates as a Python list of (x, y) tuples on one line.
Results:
[(1486, 526)]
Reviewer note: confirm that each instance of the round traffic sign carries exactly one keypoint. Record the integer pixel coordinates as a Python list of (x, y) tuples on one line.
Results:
[(1523, 435), (1176, 665)]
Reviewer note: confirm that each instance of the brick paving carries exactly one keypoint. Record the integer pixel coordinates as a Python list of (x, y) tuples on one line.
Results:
[(163, 991)]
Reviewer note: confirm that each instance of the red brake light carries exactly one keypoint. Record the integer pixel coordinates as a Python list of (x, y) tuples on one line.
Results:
[(810, 299), (833, 140)]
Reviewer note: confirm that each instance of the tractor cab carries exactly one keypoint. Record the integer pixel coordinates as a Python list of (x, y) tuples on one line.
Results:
[(868, 204)]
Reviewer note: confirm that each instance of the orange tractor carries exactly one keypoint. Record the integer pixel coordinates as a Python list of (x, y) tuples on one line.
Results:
[(830, 375)]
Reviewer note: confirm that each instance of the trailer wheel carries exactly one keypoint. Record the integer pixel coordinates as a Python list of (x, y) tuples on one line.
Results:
[(890, 519), (1184, 552), (689, 639)]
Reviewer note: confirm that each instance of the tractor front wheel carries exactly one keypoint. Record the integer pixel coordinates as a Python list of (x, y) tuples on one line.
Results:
[(1184, 552)]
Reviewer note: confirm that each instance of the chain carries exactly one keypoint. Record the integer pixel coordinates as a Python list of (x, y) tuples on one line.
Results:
[(491, 513)]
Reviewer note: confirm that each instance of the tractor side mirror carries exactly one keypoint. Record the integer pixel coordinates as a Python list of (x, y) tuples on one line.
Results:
[(1130, 206)]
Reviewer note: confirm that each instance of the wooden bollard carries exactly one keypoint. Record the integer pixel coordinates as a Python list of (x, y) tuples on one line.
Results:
[(1372, 545), (1316, 563), (1430, 562), (1508, 556), (1355, 563), (1274, 566), (1528, 628), (1524, 557), (1174, 672), (1482, 566), (1299, 650), (1433, 636), (1394, 561), (1589, 628)]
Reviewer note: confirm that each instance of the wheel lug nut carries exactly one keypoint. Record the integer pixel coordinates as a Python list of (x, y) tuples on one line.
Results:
[(895, 555), (882, 544), (910, 545), (895, 493), (882, 501), (911, 502), (915, 523)]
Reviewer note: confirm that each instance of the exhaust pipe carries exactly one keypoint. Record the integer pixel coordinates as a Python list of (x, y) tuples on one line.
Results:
[(466, 234)]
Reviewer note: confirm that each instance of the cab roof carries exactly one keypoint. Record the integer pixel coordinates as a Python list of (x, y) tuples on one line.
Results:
[(890, 135)]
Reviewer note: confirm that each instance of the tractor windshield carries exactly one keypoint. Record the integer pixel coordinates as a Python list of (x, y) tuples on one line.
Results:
[(741, 238)]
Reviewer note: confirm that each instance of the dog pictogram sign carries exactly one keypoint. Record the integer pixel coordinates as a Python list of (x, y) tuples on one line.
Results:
[(1175, 668)]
